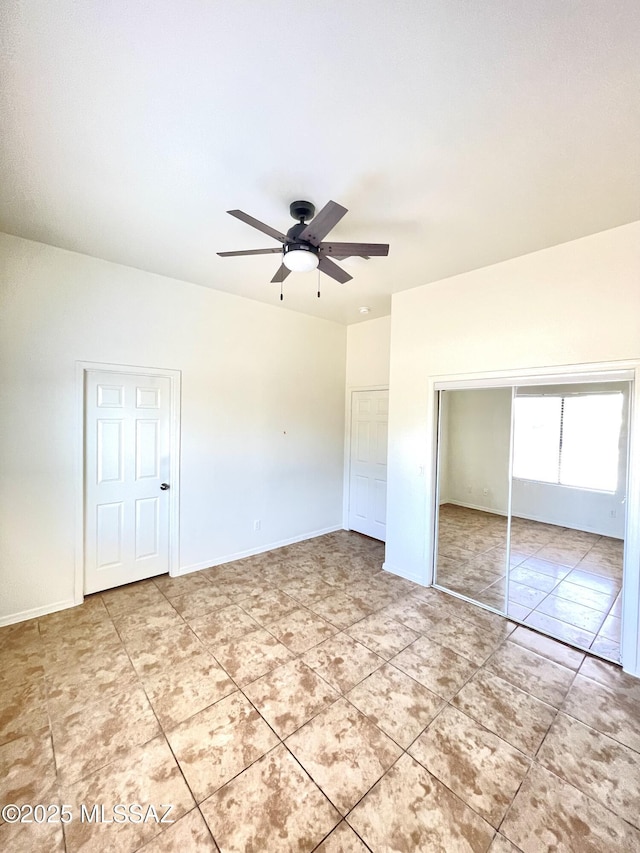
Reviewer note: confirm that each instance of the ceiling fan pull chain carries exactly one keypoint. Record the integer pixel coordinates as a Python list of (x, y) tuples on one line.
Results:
[(318, 284), (281, 295)]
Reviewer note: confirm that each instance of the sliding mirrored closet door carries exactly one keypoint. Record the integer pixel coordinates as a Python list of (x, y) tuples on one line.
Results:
[(474, 438), (530, 507)]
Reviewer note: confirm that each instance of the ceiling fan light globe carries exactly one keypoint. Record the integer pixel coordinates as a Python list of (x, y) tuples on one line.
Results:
[(300, 260)]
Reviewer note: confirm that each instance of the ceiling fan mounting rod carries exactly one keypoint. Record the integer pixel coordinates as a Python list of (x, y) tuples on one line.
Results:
[(302, 210)]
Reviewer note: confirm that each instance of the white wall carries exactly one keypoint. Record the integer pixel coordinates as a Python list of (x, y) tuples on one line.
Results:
[(574, 303), (476, 433), (368, 353), (262, 411)]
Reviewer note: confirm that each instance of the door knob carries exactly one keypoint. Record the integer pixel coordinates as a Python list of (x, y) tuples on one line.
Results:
[(164, 486)]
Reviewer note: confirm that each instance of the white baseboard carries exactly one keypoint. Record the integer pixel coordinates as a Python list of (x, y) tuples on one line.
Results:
[(478, 507), (409, 576), (589, 528), (24, 615), (251, 552)]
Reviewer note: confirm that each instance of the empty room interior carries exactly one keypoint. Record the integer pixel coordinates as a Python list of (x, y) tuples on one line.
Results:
[(328, 536)]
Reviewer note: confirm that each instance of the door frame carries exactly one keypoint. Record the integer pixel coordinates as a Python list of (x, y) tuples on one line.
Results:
[(346, 480), (175, 379), (626, 370)]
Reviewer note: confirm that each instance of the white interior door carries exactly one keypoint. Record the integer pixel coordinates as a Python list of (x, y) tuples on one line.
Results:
[(127, 466), (368, 463)]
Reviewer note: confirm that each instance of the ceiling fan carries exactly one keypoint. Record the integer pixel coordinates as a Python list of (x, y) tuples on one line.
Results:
[(303, 249)]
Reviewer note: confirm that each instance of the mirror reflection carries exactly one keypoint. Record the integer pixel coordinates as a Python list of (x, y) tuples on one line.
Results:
[(562, 511), (568, 496), (473, 493)]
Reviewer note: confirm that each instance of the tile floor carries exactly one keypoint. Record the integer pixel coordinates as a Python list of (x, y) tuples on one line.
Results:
[(564, 582), (304, 700)]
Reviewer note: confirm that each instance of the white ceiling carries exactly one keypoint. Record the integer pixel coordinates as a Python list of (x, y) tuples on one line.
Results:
[(462, 132)]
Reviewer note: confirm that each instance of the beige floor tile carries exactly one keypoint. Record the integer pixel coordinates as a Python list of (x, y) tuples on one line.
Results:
[(342, 840), (72, 689), (199, 602), (575, 614), (562, 556), (151, 654), (494, 625), (190, 834), (611, 628), (525, 595), (544, 679), (600, 767), (181, 690), (91, 612), (609, 711), (307, 590), (382, 635), (549, 814), (546, 567), (147, 775), (560, 630), (150, 622), (338, 609), (508, 712), (223, 626), (23, 710), (415, 613), (132, 598), (481, 768), (218, 743), (95, 735), (289, 696), (296, 816), (301, 630), (395, 703), (247, 658), (584, 595), (27, 769), (409, 810), (342, 661), (526, 575), (466, 639), (20, 635), (18, 667), (268, 606), (62, 651), (174, 587), (592, 580), (35, 837), (548, 648), (609, 649), (344, 752), (371, 597), (613, 677), (501, 845), (435, 667)]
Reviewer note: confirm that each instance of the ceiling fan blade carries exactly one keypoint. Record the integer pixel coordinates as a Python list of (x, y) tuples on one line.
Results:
[(349, 250), (322, 223), (282, 273), (255, 223), (249, 252), (329, 268)]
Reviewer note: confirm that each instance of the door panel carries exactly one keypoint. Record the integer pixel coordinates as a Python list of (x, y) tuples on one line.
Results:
[(147, 532), (127, 457), (368, 463)]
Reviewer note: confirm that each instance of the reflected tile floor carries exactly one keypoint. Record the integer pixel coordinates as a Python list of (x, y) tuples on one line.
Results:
[(564, 582), (304, 700)]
